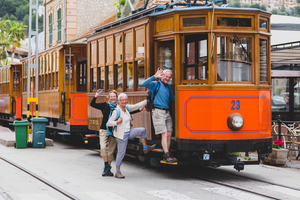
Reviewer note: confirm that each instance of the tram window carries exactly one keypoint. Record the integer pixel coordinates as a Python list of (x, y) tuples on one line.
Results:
[(54, 81), (53, 63), (57, 79), (47, 82), (94, 75), (101, 52), (40, 86), (280, 95), (110, 77), (233, 22), (190, 53), (191, 22), (41, 65), (128, 46), (94, 53), (119, 74), (118, 48), (140, 72), (165, 58), (129, 75), (196, 57), (102, 77), (109, 50), (234, 62), (139, 43), (263, 60), (262, 24)]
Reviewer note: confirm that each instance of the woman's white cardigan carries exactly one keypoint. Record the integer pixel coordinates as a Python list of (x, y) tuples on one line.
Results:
[(119, 128)]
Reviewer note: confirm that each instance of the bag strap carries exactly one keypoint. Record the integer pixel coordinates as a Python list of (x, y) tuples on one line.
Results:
[(127, 108), (156, 90)]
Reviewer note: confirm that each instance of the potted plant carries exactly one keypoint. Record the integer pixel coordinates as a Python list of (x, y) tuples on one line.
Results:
[(278, 155)]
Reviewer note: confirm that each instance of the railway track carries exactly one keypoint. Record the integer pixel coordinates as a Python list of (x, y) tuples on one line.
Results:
[(41, 179)]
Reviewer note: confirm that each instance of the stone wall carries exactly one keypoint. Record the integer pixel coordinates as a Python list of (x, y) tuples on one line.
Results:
[(92, 12)]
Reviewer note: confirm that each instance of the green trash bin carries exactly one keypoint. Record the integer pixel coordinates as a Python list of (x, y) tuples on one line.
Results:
[(38, 132), (21, 133)]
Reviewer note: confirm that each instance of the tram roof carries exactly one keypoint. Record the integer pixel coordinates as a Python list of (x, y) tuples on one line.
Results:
[(180, 9), (161, 10)]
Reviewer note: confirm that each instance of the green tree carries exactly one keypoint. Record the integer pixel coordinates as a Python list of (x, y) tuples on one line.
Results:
[(282, 9), (274, 11), (21, 11), (255, 6), (17, 32), (263, 7), (297, 10)]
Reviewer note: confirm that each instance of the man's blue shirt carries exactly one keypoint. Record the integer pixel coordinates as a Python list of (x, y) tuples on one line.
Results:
[(162, 97)]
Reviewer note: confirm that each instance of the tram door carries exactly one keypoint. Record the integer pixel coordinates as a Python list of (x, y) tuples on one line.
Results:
[(164, 59), (81, 76)]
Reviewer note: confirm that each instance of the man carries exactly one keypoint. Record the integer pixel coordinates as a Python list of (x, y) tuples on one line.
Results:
[(162, 120)]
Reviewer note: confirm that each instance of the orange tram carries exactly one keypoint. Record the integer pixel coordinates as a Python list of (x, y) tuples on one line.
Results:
[(220, 58)]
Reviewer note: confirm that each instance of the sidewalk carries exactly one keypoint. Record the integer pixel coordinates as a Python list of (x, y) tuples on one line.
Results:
[(8, 138)]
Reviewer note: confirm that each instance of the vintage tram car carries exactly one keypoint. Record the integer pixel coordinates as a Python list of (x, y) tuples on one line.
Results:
[(220, 59)]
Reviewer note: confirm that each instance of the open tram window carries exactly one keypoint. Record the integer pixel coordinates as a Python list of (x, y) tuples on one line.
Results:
[(234, 61), (130, 80), (140, 64), (119, 76), (94, 78), (195, 66), (110, 77)]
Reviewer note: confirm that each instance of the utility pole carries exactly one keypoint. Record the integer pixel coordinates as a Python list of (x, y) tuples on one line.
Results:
[(34, 66)]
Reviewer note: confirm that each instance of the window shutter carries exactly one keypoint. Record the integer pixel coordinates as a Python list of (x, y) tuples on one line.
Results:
[(59, 25), (50, 29)]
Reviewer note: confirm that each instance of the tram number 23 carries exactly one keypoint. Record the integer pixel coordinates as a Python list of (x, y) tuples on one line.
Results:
[(236, 105)]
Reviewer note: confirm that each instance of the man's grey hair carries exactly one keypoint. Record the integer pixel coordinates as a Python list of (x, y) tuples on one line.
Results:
[(167, 70), (122, 95)]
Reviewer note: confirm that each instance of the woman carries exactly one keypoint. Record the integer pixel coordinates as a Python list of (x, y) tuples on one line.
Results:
[(123, 132), (107, 143)]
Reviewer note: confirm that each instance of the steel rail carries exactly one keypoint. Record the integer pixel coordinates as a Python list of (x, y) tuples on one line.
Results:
[(40, 179), (262, 181)]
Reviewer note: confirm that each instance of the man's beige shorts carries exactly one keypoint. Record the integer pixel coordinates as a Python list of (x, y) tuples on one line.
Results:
[(162, 121)]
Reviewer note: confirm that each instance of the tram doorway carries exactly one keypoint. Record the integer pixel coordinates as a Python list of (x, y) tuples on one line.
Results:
[(82, 76), (164, 59)]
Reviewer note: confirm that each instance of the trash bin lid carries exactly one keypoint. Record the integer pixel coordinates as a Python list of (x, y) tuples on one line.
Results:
[(39, 119), (20, 123)]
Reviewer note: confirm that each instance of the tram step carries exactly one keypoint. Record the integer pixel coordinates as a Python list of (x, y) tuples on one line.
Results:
[(160, 150), (64, 133), (91, 135), (168, 163)]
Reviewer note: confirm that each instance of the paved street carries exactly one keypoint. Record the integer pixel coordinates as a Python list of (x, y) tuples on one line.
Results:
[(77, 171)]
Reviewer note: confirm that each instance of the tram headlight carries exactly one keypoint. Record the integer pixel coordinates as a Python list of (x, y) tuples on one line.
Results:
[(235, 121)]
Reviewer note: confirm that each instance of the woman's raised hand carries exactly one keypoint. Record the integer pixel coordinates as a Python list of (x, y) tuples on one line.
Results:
[(99, 91), (159, 72)]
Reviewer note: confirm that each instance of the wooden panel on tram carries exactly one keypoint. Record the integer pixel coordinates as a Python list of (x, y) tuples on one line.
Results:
[(204, 114), (163, 25)]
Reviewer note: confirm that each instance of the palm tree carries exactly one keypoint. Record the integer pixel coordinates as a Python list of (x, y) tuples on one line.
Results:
[(5, 40), (17, 32)]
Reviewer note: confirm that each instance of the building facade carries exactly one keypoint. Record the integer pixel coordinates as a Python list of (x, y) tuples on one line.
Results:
[(66, 20)]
